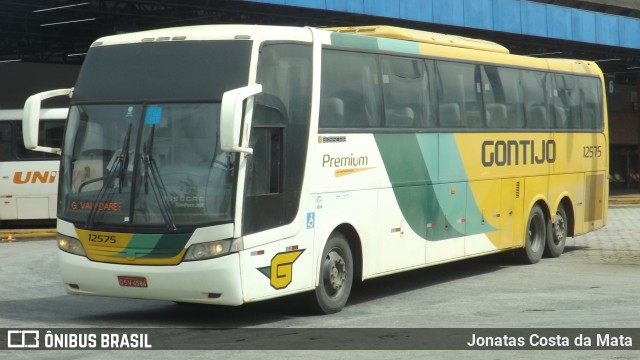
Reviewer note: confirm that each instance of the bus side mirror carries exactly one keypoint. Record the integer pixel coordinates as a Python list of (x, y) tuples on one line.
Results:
[(31, 119), (231, 117)]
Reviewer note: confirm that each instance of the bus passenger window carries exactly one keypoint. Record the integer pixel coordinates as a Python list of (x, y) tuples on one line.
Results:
[(350, 93), (460, 105), (406, 88), (5, 142), (49, 135), (535, 106), (566, 102), (504, 105), (591, 103)]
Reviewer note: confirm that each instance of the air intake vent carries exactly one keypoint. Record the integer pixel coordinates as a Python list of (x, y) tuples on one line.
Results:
[(517, 189)]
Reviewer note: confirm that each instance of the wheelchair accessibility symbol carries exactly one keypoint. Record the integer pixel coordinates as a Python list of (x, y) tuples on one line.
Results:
[(311, 220)]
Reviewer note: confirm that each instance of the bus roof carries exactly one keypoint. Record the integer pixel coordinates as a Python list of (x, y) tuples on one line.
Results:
[(205, 32), (46, 114), (449, 46), (399, 33)]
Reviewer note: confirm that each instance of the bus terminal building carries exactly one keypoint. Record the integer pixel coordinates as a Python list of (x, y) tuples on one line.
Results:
[(44, 42)]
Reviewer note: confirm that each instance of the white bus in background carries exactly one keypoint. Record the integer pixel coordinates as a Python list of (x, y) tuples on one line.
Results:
[(29, 179)]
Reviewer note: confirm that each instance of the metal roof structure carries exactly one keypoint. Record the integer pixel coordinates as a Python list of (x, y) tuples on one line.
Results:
[(60, 31)]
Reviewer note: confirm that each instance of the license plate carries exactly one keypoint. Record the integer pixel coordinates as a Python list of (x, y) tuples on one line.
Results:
[(132, 281)]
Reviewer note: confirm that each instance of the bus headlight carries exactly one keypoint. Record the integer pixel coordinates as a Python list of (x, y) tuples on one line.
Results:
[(211, 249), (70, 245)]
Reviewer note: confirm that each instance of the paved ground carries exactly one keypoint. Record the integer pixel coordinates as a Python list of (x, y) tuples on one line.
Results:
[(617, 243)]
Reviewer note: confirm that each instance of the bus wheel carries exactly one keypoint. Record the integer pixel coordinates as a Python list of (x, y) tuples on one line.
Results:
[(557, 234), (536, 236), (336, 275)]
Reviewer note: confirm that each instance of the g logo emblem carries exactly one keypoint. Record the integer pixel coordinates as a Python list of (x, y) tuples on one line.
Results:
[(281, 270)]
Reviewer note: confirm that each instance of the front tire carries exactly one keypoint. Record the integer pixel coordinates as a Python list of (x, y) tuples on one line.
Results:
[(535, 237), (557, 234), (336, 275)]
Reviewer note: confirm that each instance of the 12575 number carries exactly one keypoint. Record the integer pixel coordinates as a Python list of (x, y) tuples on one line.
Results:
[(100, 238), (592, 151)]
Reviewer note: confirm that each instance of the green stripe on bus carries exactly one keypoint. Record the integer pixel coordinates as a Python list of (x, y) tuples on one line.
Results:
[(355, 41), (155, 246), (373, 43), (410, 47), (433, 211)]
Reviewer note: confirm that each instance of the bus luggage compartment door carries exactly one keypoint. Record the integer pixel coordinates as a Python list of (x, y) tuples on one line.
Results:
[(32, 208)]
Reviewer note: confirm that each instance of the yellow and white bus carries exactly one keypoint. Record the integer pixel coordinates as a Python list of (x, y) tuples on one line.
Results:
[(29, 179), (232, 163)]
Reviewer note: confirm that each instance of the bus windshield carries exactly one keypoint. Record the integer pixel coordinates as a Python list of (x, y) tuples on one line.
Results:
[(155, 165), (153, 161)]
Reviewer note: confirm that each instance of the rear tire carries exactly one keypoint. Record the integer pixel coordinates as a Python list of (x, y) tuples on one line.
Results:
[(336, 275), (557, 236), (535, 237)]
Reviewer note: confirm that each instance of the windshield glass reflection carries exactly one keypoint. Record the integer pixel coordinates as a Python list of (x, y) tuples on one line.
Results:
[(158, 165)]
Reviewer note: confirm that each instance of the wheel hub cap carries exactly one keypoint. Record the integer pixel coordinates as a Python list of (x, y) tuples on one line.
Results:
[(335, 273)]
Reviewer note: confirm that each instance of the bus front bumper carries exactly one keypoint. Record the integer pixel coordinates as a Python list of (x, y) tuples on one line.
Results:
[(213, 281)]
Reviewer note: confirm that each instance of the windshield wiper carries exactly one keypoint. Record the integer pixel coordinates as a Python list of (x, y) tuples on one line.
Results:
[(123, 159), (117, 169), (157, 185)]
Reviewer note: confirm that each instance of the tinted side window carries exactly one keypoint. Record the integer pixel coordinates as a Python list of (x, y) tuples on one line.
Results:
[(49, 134), (460, 101), (350, 93), (279, 137), (591, 106), (534, 91), (406, 93), (5, 141), (504, 103), (566, 102)]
